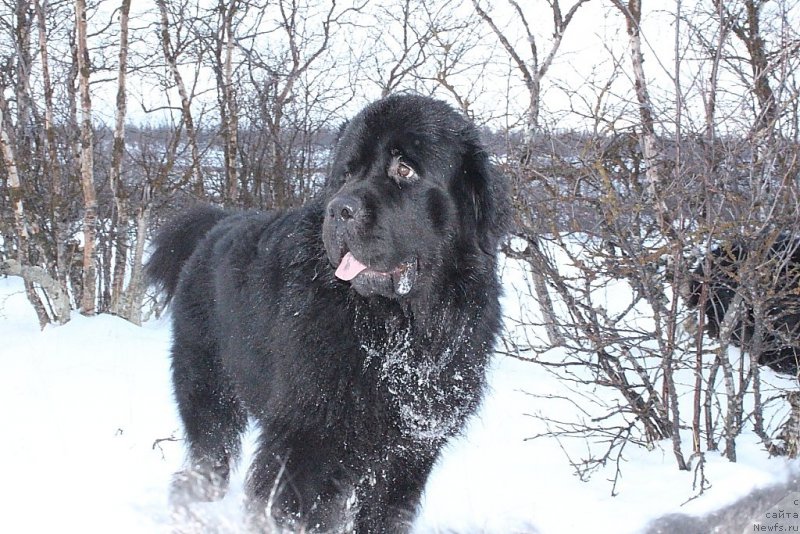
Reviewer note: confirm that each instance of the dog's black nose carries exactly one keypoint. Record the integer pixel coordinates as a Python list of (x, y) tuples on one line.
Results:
[(344, 208)]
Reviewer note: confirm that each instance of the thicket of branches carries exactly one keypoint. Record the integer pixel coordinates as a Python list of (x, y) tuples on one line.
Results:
[(640, 199), (661, 161)]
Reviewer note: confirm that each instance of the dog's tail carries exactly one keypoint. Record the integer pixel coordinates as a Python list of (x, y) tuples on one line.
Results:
[(174, 244)]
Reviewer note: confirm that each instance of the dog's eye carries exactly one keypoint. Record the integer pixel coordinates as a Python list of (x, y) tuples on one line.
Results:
[(401, 171), (404, 171)]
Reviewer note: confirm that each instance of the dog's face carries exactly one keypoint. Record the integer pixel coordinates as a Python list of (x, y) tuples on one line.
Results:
[(410, 190)]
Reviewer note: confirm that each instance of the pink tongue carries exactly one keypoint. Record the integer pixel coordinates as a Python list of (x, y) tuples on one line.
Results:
[(349, 267)]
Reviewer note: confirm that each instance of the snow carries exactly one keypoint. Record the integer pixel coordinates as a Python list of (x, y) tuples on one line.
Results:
[(91, 439), (405, 283)]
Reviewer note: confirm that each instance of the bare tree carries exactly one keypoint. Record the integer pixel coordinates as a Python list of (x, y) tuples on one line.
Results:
[(533, 71), (535, 68), (21, 266), (455, 60), (89, 295), (117, 153), (52, 164), (229, 112), (302, 37), (632, 12), (404, 35), (172, 52), (637, 199)]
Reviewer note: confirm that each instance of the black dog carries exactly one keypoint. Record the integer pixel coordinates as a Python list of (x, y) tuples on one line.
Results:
[(354, 330), (780, 298)]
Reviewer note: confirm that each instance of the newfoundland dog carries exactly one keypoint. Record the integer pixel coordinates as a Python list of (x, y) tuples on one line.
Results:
[(777, 287), (355, 330)]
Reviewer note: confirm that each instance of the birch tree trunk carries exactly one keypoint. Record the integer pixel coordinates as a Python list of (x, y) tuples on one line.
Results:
[(632, 11), (52, 166), (117, 153), (33, 274), (633, 18), (20, 224), (88, 298), (191, 133), (227, 99), (23, 63), (135, 292)]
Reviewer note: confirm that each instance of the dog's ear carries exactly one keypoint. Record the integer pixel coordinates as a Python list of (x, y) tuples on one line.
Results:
[(342, 128), (331, 182), (488, 193)]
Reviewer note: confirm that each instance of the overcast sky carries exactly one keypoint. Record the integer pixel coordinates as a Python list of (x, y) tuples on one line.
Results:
[(595, 44)]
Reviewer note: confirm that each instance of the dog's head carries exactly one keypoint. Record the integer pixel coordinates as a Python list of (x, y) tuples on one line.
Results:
[(411, 193)]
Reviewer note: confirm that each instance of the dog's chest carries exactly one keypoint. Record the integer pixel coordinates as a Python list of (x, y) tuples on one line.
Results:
[(422, 383)]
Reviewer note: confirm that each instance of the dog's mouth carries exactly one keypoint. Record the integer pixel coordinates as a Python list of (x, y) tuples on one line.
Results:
[(365, 280)]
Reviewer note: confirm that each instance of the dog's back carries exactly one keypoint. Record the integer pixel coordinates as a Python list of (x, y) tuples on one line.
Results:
[(175, 243)]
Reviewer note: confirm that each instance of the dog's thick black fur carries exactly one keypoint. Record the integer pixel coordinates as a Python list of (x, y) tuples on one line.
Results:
[(780, 261), (355, 381)]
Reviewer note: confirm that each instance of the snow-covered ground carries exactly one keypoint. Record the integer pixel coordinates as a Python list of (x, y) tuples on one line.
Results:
[(90, 438)]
